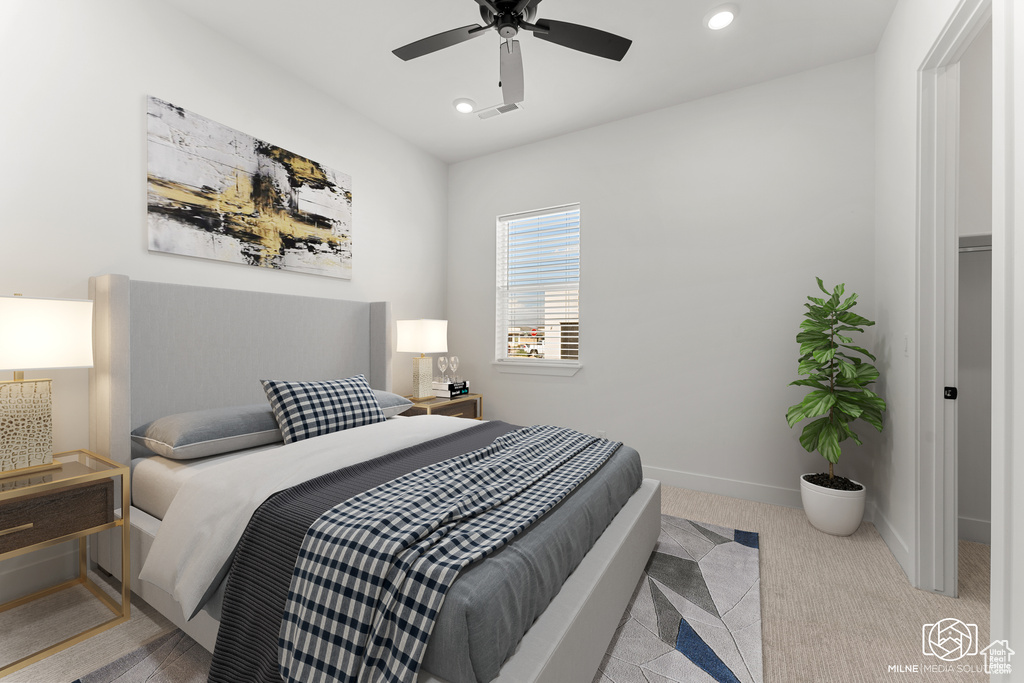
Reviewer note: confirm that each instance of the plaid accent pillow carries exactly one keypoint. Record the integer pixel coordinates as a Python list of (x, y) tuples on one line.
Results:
[(307, 409)]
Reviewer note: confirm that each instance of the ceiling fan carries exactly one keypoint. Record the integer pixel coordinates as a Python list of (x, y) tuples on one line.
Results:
[(508, 17)]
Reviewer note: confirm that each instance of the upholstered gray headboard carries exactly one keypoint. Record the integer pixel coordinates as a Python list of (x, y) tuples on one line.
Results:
[(162, 349)]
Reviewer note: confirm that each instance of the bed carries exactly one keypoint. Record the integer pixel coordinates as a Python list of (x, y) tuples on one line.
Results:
[(162, 349)]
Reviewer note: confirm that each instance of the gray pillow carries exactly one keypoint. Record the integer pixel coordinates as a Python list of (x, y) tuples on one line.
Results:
[(202, 433), (391, 404)]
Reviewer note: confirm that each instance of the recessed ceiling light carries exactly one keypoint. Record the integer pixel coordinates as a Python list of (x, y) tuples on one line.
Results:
[(720, 17), (464, 105)]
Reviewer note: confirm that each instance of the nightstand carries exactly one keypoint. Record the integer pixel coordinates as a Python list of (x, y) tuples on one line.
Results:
[(67, 504), (468, 405)]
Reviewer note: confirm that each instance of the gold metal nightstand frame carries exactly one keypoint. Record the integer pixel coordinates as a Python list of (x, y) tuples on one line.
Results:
[(436, 406), (121, 612)]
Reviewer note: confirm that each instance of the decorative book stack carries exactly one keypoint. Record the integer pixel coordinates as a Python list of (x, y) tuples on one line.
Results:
[(451, 389)]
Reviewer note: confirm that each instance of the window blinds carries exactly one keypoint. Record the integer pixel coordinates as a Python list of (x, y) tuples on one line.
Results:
[(538, 273)]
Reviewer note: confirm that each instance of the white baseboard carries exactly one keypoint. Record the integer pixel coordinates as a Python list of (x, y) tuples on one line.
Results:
[(977, 530), (26, 574), (762, 493), (897, 546)]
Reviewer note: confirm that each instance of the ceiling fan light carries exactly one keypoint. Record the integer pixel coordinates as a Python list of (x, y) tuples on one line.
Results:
[(464, 105), (720, 17)]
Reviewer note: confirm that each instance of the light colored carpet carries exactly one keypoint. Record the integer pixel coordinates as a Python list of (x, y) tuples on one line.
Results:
[(171, 658), (833, 609), (52, 619), (840, 609)]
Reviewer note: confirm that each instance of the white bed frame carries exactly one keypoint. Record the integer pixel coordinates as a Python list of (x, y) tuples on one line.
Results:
[(162, 349)]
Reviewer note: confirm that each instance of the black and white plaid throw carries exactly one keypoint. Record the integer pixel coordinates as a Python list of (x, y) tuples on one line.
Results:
[(307, 409), (373, 571)]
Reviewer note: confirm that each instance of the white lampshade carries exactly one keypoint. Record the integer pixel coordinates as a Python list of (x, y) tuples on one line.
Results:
[(38, 334), (423, 336)]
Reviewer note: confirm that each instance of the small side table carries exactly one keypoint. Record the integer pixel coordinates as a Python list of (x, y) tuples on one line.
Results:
[(468, 405), (67, 504)]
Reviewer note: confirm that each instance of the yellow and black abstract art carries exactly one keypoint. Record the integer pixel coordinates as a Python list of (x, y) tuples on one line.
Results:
[(220, 194)]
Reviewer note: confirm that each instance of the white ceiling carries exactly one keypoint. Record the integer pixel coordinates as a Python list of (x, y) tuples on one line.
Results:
[(343, 47)]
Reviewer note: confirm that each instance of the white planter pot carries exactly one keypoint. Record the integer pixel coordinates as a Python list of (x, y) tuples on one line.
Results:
[(835, 512)]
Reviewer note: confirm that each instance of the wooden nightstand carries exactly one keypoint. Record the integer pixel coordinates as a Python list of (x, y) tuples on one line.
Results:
[(468, 405), (60, 505)]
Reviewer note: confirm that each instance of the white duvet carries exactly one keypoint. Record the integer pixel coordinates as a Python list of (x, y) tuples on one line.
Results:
[(206, 519)]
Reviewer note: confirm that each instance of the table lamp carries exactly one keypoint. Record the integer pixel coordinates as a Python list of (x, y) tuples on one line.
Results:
[(423, 337), (36, 334)]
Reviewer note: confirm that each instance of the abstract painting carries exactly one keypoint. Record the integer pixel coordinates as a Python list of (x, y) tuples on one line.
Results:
[(220, 194)]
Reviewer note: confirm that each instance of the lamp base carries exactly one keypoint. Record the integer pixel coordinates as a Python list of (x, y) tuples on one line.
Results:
[(26, 425), (422, 378)]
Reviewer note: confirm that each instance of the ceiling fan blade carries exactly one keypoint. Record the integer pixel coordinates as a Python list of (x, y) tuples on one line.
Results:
[(489, 5), (512, 88), (438, 42), (583, 38), (522, 5)]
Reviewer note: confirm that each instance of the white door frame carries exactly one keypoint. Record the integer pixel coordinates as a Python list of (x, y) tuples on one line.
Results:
[(939, 119), (1007, 324)]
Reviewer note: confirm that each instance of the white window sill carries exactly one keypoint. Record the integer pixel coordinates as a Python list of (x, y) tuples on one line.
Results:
[(554, 368)]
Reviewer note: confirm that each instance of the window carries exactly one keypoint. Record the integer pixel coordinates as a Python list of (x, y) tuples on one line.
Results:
[(538, 291)]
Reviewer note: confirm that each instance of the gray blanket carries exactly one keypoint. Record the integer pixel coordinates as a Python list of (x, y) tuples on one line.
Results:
[(490, 606)]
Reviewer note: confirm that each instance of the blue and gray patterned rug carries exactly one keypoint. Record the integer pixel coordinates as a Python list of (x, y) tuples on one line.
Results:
[(696, 612)]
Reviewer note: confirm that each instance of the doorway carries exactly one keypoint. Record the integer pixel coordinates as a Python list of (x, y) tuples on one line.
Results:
[(943, 173)]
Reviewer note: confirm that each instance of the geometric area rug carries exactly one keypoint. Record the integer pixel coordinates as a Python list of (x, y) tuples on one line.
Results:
[(695, 614)]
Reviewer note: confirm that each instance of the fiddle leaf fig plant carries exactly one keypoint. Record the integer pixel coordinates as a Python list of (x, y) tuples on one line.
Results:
[(837, 373)]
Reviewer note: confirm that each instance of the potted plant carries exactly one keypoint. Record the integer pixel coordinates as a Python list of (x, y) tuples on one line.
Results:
[(838, 377)]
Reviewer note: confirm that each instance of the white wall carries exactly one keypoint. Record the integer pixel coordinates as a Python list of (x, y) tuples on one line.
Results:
[(74, 78), (703, 227), (974, 194), (73, 179), (1007, 323), (912, 30)]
